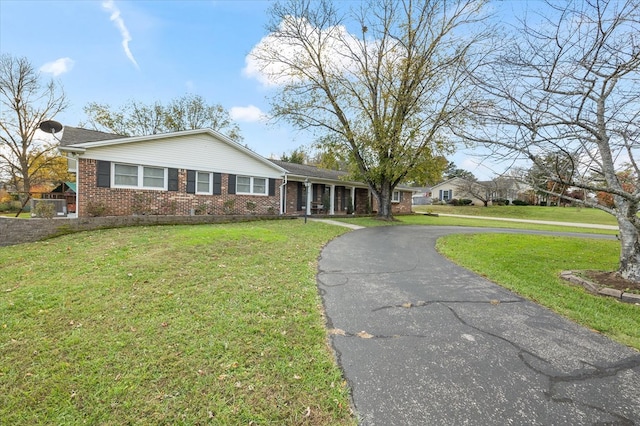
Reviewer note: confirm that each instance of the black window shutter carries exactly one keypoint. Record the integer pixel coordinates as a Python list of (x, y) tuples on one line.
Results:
[(300, 195), (217, 184), (104, 174), (272, 187), (191, 181), (173, 180), (232, 184)]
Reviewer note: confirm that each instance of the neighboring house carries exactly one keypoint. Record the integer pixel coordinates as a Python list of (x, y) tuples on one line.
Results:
[(497, 189), (421, 196), (450, 189), (202, 172), (507, 188)]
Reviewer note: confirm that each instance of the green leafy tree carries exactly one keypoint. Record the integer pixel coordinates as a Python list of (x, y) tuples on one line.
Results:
[(383, 95), (453, 171), (26, 101), (297, 156), (136, 118)]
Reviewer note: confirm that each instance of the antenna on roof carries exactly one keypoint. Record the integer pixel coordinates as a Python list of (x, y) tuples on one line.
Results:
[(51, 126)]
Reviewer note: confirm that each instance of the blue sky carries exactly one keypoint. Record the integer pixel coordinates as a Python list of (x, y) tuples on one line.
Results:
[(114, 51)]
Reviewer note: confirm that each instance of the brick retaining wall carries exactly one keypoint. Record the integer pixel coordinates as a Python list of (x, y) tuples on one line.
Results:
[(17, 231)]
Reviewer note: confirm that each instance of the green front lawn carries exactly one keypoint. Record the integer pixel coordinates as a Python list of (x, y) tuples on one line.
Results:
[(209, 324), (557, 214)]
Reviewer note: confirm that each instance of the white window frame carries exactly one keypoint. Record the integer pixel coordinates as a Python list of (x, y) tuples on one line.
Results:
[(395, 197), (252, 190), (446, 194), (210, 191), (140, 183)]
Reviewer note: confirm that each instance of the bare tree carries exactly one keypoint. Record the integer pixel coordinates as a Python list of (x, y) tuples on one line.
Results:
[(570, 85), (26, 102), (384, 95), (482, 191), (136, 118)]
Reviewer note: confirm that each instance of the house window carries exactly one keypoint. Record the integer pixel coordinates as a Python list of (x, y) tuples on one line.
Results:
[(395, 197), (446, 195), (203, 183), (251, 185), (126, 175), (153, 177)]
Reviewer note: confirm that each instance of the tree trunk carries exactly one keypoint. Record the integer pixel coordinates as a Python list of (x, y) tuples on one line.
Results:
[(384, 201), (629, 224)]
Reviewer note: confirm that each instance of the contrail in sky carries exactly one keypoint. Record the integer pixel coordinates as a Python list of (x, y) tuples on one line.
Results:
[(126, 37)]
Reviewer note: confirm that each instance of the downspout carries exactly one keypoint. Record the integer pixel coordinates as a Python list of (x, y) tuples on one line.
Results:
[(75, 157)]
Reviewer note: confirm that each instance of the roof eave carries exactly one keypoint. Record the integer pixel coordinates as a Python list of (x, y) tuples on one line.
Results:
[(326, 180), (71, 149), (82, 147)]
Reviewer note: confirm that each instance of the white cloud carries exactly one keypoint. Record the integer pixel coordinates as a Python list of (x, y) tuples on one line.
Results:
[(339, 49), (57, 67), (249, 114), (110, 6)]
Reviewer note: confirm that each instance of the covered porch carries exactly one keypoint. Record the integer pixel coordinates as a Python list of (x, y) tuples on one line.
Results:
[(322, 198)]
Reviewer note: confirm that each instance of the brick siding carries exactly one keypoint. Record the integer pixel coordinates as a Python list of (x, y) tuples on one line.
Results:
[(94, 200)]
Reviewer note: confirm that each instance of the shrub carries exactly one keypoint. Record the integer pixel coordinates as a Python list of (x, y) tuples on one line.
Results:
[(326, 202), (227, 206), (170, 208), (519, 203), (6, 207), (44, 210), (465, 202), (96, 209), (141, 204), (500, 202), (349, 205), (200, 209)]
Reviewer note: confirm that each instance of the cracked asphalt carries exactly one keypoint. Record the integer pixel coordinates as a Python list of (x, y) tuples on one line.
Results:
[(422, 341)]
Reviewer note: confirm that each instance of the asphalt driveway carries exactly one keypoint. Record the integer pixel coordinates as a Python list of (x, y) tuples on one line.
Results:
[(422, 341)]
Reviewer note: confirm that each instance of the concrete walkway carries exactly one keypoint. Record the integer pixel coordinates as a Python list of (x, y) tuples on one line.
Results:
[(538, 222), (337, 223), (422, 341)]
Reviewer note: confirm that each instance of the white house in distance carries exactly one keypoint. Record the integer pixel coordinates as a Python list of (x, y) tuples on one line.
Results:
[(501, 188), (450, 189)]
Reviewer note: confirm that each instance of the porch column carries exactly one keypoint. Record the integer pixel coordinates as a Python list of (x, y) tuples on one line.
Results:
[(309, 197), (353, 199), (332, 196)]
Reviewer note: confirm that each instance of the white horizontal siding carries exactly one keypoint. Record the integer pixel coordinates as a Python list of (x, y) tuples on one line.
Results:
[(195, 152)]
